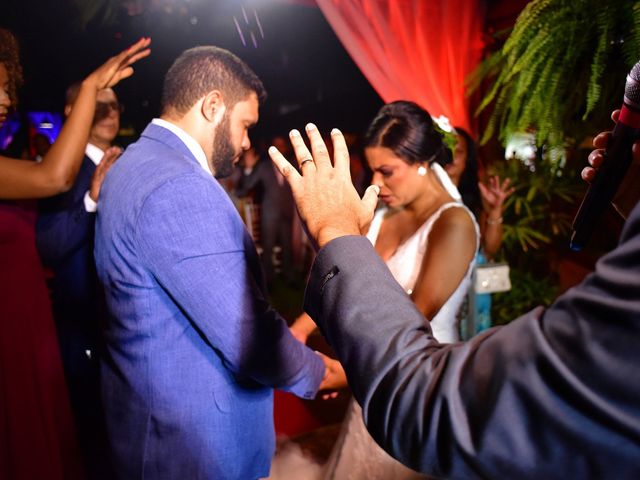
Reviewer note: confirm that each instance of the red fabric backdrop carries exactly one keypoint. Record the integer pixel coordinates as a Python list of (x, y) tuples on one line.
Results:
[(419, 50)]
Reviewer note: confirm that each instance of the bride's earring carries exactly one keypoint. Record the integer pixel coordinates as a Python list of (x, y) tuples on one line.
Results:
[(422, 170)]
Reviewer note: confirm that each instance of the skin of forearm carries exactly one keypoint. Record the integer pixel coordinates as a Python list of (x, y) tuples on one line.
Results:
[(56, 173), (65, 157), (492, 240)]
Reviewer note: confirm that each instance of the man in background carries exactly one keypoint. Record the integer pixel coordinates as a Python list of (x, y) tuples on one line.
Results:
[(64, 236), (273, 194)]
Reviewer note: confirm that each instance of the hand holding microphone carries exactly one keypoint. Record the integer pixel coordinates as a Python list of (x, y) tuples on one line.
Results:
[(613, 165), (628, 193)]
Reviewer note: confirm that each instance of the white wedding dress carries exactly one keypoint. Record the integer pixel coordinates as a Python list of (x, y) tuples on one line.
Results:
[(355, 455)]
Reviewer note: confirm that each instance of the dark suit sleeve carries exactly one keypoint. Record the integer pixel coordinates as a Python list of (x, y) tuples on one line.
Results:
[(194, 243), (554, 394), (63, 223)]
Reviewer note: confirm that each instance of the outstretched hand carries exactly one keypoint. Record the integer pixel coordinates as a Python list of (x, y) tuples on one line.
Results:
[(327, 201), (108, 159), (119, 66), (628, 193), (494, 194)]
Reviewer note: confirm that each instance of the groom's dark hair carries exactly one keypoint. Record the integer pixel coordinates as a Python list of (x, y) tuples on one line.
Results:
[(199, 70)]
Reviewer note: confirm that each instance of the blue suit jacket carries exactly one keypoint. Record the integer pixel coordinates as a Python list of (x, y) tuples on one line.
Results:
[(193, 347), (554, 394)]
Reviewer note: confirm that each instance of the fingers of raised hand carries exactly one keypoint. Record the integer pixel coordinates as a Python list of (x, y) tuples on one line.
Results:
[(491, 183), (118, 67), (369, 203), (137, 51), (504, 190), (110, 156), (303, 155), (488, 191), (505, 184), (340, 152), (284, 167), (112, 153), (319, 149)]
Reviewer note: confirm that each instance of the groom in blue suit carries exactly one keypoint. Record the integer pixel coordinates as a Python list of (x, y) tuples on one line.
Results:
[(193, 348)]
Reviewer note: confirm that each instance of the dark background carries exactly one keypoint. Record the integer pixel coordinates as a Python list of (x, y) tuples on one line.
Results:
[(308, 74)]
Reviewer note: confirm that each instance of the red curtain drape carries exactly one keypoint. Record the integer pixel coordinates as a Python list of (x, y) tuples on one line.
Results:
[(418, 50)]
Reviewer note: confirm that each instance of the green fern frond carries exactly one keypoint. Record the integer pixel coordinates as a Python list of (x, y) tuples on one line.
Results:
[(629, 33), (559, 60), (598, 65)]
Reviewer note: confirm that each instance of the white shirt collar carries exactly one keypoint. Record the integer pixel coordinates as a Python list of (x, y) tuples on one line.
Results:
[(94, 153), (190, 142)]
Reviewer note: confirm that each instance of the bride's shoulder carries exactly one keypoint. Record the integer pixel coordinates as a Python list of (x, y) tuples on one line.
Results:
[(456, 217), (456, 211)]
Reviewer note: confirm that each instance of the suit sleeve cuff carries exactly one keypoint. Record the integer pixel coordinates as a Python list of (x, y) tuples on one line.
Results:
[(89, 205), (325, 269), (309, 386)]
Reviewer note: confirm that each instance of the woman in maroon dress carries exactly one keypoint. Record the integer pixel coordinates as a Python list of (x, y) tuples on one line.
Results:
[(37, 438)]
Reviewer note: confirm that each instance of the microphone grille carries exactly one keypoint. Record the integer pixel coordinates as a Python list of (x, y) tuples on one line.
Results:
[(632, 87)]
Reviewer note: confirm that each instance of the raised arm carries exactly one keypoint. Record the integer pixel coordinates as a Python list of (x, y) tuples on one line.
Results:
[(59, 167), (494, 194)]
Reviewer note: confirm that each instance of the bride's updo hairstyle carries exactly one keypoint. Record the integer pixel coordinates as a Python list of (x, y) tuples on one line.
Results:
[(408, 131)]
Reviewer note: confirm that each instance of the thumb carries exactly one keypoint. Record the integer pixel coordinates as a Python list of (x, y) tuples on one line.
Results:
[(370, 198)]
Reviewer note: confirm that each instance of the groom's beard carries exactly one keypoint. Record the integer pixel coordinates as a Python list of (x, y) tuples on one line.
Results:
[(224, 154)]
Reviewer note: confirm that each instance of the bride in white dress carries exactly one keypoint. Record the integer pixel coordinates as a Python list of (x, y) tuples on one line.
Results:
[(427, 238)]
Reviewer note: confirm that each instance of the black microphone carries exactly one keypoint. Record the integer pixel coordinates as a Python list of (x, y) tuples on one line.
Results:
[(617, 159)]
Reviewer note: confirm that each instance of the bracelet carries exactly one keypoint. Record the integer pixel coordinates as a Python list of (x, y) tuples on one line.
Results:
[(492, 221)]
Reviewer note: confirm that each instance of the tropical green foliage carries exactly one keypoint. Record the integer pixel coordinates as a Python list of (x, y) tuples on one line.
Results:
[(561, 70), (532, 215), (537, 221), (559, 74), (528, 291)]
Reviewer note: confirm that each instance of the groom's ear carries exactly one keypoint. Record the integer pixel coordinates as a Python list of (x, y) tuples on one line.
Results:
[(213, 107)]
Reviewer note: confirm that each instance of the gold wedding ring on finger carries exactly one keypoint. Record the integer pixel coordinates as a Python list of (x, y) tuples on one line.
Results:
[(305, 161)]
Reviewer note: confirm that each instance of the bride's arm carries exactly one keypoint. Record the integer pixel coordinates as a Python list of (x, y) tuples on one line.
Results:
[(59, 167), (452, 246)]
